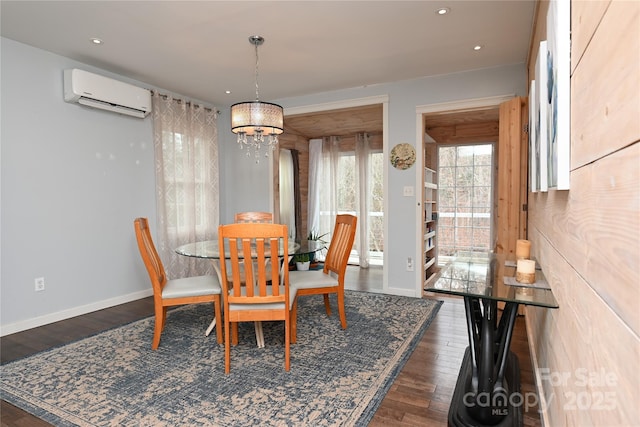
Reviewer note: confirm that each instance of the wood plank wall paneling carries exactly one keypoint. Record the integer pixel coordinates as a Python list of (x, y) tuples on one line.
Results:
[(587, 17), (605, 192), (605, 112), (510, 228), (584, 338), (586, 239), (464, 133)]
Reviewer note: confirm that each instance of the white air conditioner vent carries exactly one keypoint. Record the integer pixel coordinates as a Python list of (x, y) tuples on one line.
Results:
[(97, 91)]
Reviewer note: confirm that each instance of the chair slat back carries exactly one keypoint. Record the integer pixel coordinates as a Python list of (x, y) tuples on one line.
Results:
[(266, 217), (150, 256), (344, 233), (250, 246)]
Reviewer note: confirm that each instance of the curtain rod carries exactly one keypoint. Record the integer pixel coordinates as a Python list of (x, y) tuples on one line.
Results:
[(178, 100)]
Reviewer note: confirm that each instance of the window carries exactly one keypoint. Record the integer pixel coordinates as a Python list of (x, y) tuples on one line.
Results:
[(347, 200), (190, 182), (465, 199)]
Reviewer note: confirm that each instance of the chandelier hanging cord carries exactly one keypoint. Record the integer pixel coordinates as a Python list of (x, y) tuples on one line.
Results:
[(257, 41)]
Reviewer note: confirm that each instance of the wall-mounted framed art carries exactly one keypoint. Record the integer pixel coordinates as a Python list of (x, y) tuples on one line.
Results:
[(402, 156), (540, 144), (534, 153), (558, 93)]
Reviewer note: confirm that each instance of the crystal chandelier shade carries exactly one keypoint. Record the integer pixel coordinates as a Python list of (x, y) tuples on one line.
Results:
[(257, 123)]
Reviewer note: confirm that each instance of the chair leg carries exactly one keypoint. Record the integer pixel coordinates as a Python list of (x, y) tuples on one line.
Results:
[(327, 306), (227, 347), (234, 333), (218, 312), (287, 342), (343, 317), (294, 315), (161, 316)]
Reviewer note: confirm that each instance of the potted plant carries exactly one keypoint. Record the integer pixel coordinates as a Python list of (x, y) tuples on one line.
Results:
[(302, 261), (313, 235)]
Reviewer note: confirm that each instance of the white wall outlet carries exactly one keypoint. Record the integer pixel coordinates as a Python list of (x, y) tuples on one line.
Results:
[(408, 191), (39, 281), (409, 264)]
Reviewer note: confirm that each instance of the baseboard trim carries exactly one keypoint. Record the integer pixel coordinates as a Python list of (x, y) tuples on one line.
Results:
[(35, 322)]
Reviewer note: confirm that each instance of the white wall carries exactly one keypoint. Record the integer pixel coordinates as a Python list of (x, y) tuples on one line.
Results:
[(252, 181), (73, 179)]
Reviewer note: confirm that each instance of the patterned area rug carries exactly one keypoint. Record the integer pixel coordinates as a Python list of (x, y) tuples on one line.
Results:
[(337, 377)]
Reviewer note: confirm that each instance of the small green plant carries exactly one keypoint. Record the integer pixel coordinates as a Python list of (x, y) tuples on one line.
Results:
[(301, 257), (313, 235)]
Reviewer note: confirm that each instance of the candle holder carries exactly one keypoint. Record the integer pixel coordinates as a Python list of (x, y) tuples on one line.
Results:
[(524, 294), (526, 271)]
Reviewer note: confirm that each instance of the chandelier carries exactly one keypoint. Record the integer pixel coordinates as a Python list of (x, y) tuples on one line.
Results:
[(257, 123)]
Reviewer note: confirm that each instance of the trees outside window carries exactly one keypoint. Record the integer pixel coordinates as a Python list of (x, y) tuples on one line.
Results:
[(465, 189)]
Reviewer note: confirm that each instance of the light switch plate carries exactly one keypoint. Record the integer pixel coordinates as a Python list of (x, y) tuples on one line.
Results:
[(408, 191)]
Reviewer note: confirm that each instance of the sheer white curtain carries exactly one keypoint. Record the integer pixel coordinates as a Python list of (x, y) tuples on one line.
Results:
[(328, 190), (323, 186), (363, 195), (187, 193), (324, 164), (315, 182), (287, 192)]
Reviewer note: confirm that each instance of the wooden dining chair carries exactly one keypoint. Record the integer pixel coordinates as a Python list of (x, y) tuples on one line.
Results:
[(167, 293), (329, 280), (253, 217), (250, 245)]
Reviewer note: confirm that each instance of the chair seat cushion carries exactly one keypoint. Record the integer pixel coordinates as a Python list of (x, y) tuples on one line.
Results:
[(266, 306), (191, 287), (311, 279), (270, 306)]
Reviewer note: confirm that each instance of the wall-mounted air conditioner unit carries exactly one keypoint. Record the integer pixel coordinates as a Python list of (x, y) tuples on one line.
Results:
[(102, 92)]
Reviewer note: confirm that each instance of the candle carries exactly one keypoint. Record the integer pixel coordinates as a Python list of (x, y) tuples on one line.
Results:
[(523, 249), (526, 271)]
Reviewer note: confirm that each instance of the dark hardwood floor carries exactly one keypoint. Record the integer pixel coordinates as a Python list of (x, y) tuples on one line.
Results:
[(420, 395)]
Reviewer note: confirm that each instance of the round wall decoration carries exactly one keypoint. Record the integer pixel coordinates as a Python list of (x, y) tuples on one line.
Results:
[(403, 156)]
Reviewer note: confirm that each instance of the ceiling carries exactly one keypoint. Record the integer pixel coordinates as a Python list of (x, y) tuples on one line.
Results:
[(200, 49), (342, 122)]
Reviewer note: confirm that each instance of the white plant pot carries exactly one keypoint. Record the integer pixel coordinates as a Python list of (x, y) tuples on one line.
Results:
[(302, 266)]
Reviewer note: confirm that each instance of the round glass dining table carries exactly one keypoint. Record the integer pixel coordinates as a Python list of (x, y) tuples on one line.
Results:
[(210, 249)]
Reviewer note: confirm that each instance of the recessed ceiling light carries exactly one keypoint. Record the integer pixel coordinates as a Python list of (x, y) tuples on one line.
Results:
[(477, 47), (96, 40), (227, 92), (443, 10)]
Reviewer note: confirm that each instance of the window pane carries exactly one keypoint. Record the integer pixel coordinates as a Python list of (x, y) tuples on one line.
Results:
[(465, 179), (465, 155), (347, 202), (447, 156)]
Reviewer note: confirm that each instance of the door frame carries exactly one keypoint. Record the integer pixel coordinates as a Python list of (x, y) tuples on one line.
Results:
[(421, 138), (350, 103)]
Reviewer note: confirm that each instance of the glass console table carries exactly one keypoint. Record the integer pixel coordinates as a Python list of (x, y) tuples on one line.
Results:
[(487, 392)]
